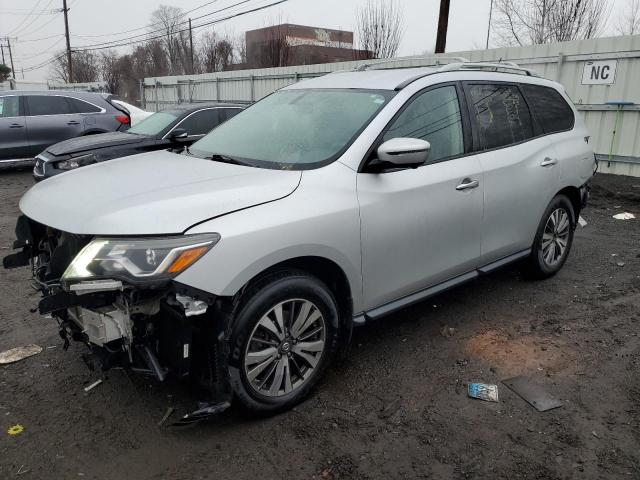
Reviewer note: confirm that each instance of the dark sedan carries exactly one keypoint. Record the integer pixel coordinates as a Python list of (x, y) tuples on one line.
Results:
[(173, 129)]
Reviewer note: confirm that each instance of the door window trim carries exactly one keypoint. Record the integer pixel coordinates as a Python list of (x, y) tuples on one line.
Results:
[(465, 120), (66, 97)]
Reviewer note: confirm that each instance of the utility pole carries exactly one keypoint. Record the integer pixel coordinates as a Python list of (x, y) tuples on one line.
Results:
[(66, 28), (13, 72), (489, 26), (443, 24), (2, 49), (191, 45)]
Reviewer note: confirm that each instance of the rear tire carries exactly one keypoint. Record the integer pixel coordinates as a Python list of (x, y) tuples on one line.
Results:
[(553, 239), (283, 338)]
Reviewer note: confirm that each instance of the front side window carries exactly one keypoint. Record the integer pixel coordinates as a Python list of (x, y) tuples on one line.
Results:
[(294, 129), (154, 124), (10, 106), (500, 114), (200, 123), (550, 108), (47, 105), (433, 116)]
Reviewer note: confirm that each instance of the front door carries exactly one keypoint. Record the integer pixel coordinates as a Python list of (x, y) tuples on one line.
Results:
[(49, 120), (422, 226), (13, 129)]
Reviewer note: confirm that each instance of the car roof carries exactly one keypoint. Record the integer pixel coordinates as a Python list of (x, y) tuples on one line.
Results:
[(398, 78), (68, 93), (201, 105)]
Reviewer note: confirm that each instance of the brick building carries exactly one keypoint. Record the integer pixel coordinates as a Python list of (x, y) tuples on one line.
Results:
[(287, 44)]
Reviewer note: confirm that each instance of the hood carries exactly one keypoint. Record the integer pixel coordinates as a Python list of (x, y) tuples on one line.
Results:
[(150, 194), (91, 142)]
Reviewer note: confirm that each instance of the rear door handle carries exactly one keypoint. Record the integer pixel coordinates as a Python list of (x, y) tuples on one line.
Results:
[(16, 125), (73, 122), (547, 162), (468, 184)]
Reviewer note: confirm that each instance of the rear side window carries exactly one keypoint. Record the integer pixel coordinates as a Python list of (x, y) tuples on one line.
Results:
[(9, 106), (433, 116), (200, 123), (549, 107), (79, 106), (47, 105), (500, 115), (227, 113)]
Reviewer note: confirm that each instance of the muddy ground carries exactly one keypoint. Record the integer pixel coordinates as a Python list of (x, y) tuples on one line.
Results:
[(396, 407)]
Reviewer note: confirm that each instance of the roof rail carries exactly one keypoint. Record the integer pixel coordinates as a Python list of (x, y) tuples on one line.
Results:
[(437, 61), (506, 67)]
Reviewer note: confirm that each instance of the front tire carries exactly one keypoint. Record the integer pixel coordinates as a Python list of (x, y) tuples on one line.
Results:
[(553, 240), (282, 341)]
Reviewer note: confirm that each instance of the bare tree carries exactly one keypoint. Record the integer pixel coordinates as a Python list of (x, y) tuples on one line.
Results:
[(5, 72), (240, 46), (629, 22), (85, 67), (111, 71), (380, 27), (175, 41), (527, 22)]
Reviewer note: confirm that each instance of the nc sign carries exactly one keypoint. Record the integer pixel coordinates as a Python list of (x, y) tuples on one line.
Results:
[(599, 72)]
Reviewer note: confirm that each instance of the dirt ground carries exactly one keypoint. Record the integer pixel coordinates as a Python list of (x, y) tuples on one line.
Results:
[(396, 407)]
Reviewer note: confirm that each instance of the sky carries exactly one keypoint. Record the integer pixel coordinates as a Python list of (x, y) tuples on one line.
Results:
[(93, 21)]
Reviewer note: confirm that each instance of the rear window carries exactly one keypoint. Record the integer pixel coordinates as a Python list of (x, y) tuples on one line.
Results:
[(47, 105), (551, 110), (80, 106), (500, 114), (156, 123)]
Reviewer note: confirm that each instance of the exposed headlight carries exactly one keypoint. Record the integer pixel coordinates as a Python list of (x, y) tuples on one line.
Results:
[(138, 259), (76, 162)]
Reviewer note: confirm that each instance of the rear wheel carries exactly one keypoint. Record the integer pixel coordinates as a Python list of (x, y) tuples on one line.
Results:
[(553, 239), (283, 339)]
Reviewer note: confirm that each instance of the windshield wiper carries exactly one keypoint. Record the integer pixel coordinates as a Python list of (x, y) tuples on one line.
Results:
[(216, 157)]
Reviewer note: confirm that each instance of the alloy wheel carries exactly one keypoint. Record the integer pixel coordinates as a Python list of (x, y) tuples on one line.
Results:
[(285, 347), (555, 238)]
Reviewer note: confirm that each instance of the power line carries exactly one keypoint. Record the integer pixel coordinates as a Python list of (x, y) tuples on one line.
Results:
[(161, 29), (35, 19), (26, 18)]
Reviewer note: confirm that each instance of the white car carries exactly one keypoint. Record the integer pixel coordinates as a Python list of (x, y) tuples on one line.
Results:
[(136, 114)]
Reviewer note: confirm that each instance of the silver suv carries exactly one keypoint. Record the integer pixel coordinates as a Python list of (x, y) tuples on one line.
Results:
[(245, 262)]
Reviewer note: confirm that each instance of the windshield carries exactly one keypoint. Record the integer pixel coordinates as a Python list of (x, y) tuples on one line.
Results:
[(296, 129), (154, 124)]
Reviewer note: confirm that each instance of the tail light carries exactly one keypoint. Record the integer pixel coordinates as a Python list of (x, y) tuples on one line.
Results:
[(124, 119)]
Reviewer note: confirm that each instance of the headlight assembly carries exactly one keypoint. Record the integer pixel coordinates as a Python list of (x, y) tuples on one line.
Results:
[(76, 162), (138, 260)]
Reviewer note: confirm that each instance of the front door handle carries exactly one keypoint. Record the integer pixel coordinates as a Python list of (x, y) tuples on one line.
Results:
[(73, 122), (468, 184), (547, 162), (16, 125)]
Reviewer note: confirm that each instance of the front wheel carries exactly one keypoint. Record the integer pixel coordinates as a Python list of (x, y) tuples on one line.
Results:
[(553, 239), (282, 341)]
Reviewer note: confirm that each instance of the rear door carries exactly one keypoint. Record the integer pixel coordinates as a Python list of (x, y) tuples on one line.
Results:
[(87, 111), (50, 119), (13, 130), (518, 165), (199, 123)]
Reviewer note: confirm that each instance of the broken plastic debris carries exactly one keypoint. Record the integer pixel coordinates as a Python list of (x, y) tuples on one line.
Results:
[(624, 216), (483, 391), (166, 416), (19, 353), (533, 394), (582, 222), (15, 430), (191, 305), (93, 385)]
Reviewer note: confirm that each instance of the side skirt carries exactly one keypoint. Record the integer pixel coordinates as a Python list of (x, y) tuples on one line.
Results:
[(416, 297)]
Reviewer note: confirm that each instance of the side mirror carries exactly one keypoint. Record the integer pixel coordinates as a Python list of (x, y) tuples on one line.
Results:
[(404, 152), (179, 134)]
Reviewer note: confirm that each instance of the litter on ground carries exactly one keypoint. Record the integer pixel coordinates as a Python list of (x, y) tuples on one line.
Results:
[(93, 385), (19, 353), (533, 394), (582, 222), (15, 430), (483, 391), (624, 216)]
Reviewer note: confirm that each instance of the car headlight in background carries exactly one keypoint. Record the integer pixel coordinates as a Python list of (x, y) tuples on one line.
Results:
[(138, 259), (76, 162)]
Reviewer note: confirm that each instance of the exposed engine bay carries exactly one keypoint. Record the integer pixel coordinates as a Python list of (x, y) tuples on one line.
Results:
[(158, 328)]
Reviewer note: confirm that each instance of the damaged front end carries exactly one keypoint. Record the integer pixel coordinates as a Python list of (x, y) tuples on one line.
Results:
[(118, 296)]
